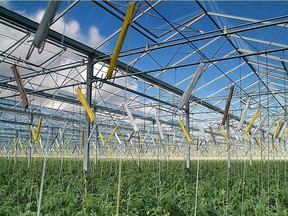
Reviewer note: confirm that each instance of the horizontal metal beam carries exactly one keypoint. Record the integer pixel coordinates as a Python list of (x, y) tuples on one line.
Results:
[(15, 18), (76, 102)]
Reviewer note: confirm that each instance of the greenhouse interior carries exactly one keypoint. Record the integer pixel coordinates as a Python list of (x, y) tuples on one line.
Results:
[(143, 107)]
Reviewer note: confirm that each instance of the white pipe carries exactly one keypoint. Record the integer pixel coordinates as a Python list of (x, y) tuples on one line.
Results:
[(240, 124), (159, 128), (174, 137), (193, 82), (146, 135), (117, 137), (202, 131), (153, 140), (61, 132), (132, 121), (259, 125), (269, 128), (235, 135), (45, 23), (91, 133)]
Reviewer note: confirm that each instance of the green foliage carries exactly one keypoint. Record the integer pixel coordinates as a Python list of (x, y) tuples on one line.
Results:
[(154, 188)]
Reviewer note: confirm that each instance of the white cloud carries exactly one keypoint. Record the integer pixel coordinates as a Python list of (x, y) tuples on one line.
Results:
[(5, 3), (70, 28)]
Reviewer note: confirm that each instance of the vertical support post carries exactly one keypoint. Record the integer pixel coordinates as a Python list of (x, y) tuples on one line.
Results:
[(97, 143), (16, 146), (228, 144), (187, 129), (87, 119), (29, 144), (250, 151)]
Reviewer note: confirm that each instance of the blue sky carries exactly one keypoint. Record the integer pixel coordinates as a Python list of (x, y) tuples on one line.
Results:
[(87, 15)]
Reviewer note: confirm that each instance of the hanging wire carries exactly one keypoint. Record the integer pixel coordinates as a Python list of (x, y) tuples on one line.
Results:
[(198, 157), (285, 118), (268, 142)]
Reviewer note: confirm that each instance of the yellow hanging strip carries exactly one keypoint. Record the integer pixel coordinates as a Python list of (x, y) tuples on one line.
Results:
[(112, 134), (158, 138), (57, 148), (246, 136), (185, 132), (137, 151), (224, 135), (280, 148), (38, 130), (140, 137), (66, 144), (109, 150), (257, 113), (33, 132), (210, 151), (172, 149), (223, 149), (85, 104), (15, 146), (276, 129), (28, 143), (261, 144), (131, 148), (101, 137), (285, 134), (126, 23), (20, 143)]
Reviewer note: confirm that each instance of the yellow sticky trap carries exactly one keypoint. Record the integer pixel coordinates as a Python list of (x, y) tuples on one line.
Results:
[(184, 131), (257, 113), (284, 134), (15, 146), (38, 129), (121, 38), (33, 132), (109, 150), (20, 143), (101, 137), (223, 149), (224, 135), (261, 144), (85, 104), (280, 146), (246, 136), (141, 139), (58, 149), (158, 138), (29, 141), (210, 151), (66, 144), (272, 148), (276, 129), (112, 134)]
